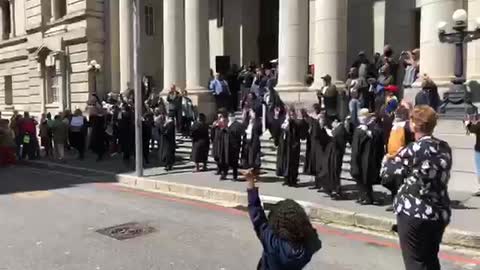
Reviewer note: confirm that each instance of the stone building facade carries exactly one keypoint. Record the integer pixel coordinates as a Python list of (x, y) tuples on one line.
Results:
[(46, 45)]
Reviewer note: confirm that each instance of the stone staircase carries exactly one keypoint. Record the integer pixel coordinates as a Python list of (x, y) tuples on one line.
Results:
[(269, 154)]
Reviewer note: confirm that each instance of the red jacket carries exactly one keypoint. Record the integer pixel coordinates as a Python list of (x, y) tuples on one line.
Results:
[(28, 126)]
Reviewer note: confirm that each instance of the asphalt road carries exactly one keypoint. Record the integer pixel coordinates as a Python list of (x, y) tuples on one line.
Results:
[(49, 220)]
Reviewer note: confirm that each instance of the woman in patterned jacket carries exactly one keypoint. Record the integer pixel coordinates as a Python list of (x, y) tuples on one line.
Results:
[(422, 204)]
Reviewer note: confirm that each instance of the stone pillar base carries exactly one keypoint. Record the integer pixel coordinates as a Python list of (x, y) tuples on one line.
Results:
[(204, 101), (297, 95), (409, 94)]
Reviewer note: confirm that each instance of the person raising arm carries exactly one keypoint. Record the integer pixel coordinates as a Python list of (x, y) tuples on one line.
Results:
[(288, 238)]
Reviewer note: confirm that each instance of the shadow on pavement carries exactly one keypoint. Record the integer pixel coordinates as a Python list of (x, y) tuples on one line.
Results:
[(20, 178)]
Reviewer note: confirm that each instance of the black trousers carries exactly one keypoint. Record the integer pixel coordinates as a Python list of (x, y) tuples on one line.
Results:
[(420, 242), (222, 101), (225, 167), (366, 191)]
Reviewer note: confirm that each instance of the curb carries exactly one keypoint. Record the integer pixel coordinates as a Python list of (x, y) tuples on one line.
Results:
[(316, 212)]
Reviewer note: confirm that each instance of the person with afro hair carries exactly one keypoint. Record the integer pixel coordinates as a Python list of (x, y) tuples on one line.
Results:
[(288, 238)]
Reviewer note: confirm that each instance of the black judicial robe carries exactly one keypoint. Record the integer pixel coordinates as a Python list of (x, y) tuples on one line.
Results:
[(317, 139), (227, 143), (99, 138), (332, 160), (275, 128), (167, 143), (251, 148), (288, 152), (367, 154), (200, 142), (234, 143), (126, 132)]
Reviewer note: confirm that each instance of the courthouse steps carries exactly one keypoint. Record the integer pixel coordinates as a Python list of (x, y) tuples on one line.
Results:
[(269, 155), (449, 129)]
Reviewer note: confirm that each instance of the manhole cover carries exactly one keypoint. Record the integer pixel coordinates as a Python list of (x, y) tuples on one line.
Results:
[(127, 231)]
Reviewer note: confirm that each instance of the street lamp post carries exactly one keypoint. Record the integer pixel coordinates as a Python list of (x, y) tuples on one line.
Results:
[(137, 75), (94, 68), (458, 94)]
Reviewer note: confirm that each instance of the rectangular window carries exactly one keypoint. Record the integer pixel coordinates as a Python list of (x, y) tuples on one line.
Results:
[(149, 21), (52, 85), (8, 90)]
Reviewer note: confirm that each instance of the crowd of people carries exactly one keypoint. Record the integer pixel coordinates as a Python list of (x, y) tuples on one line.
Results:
[(391, 141)]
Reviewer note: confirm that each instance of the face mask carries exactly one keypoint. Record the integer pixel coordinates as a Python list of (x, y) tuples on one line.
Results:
[(231, 119)]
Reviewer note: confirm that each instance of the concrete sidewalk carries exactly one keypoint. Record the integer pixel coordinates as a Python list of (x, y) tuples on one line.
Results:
[(463, 231)]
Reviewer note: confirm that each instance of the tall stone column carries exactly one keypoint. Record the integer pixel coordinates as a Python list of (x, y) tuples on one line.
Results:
[(473, 54), (174, 44), (197, 52), (196, 44), (12, 18), (126, 44), (293, 45), (330, 40), (436, 59)]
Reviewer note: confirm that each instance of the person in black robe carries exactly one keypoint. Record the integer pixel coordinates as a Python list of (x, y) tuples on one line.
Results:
[(332, 158), (233, 145), (272, 101), (309, 167), (251, 149), (217, 138), (288, 152), (368, 149), (321, 139), (167, 142), (126, 132), (252, 102), (275, 125), (99, 138), (200, 143), (147, 127)]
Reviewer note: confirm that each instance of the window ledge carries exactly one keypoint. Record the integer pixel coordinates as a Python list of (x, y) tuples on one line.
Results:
[(12, 41), (52, 105)]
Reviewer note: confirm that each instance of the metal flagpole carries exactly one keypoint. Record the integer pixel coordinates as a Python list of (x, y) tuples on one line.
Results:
[(137, 75)]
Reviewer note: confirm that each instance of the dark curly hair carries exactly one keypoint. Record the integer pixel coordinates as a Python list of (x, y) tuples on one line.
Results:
[(290, 222)]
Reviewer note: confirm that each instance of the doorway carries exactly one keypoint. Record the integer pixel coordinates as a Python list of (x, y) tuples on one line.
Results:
[(268, 34)]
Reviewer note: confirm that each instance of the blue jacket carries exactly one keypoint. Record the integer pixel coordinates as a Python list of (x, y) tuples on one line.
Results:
[(278, 254)]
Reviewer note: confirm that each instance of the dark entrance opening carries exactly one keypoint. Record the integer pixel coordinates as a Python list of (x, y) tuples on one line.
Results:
[(268, 36), (418, 18)]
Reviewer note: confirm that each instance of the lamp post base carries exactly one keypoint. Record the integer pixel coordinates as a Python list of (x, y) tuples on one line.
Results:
[(457, 95)]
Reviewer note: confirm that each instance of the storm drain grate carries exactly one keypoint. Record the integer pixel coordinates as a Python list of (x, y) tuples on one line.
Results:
[(127, 230)]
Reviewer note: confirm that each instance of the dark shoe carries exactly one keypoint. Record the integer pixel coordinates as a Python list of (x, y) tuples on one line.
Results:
[(366, 202), (223, 177), (476, 194), (389, 209), (337, 196)]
